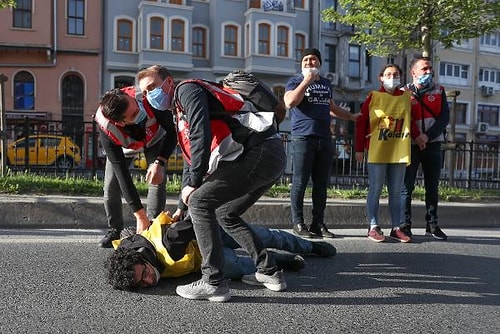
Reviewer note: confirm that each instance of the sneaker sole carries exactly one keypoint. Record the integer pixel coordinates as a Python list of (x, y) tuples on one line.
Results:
[(435, 236), (270, 286), (376, 240), (275, 287), (401, 240), (251, 281), (305, 236), (219, 299)]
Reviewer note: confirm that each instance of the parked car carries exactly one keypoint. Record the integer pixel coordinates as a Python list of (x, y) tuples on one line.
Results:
[(175, 163), (44, 150)]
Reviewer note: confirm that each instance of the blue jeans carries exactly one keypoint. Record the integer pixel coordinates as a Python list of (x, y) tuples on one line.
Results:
[(312, 158), (224, 196), (378, 173), (236, 265), (431, 159)]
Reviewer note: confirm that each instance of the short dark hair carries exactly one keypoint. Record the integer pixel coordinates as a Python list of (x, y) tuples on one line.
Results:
[(114, 103), (120, 268), (154, 69), (417, 59), (400, 71)]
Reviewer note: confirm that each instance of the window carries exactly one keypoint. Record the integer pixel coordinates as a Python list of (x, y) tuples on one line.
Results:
[(453, 70), (354, 61), (491, 39), (488, 75), (175, 2), (331, 51), (488, 114), (254, 4), (199, 42), (177, 35), (230, 40), (22, 14), (24, 91), (72, 89), (156, 33), (368, 67), (299, 4), (454, 74), (282, 41), (124, 38), (264, 39), (300, 44), (76, 17), (460, 112)]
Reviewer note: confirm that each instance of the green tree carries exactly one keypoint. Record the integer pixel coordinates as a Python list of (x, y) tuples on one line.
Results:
[(386, 27), (7, 3)]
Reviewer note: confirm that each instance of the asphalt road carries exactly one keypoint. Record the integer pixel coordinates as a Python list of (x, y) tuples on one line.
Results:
[(52, 281)]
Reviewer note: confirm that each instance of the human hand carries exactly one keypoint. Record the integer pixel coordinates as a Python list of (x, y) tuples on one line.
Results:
[(142, 220), (421, 141), (186, 192), (360, 156), (310, 74), (178, 215), (155, 174)]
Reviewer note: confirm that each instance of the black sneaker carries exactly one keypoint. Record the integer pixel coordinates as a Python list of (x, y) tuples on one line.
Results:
[(289, 261), (435, 232), (323, 249), (406, 228), (302, 231), (113, 234), (320, 231)]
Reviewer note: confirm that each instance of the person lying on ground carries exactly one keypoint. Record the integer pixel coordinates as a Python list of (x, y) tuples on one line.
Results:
[(168, 249)]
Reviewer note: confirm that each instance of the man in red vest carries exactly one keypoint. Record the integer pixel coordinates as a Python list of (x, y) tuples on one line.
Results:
[(128, 121), (431, 114)]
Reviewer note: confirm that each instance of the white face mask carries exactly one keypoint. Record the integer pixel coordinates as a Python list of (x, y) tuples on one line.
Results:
[(307, 70), (390, 84)]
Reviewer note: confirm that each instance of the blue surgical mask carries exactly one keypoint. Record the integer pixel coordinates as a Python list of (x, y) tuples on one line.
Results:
[(141, 116), (158, 99), (425, 79)]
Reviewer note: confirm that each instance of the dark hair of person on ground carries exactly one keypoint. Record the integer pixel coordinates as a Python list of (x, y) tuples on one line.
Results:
[(120, 268), (114, 104)]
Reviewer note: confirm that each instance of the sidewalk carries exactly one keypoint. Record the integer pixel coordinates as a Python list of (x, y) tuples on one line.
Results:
[(78, 212)]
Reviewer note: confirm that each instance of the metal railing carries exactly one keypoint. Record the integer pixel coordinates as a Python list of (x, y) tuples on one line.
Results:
[(470, 165)]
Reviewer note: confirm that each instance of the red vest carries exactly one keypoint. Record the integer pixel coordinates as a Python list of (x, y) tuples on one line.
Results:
[(421, 116), (115, 131)]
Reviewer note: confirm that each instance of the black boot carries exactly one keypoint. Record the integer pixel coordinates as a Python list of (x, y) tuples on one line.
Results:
[(113, 234)]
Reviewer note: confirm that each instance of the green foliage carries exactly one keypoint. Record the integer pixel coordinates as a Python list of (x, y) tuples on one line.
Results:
[(386, 27), (7, 3)]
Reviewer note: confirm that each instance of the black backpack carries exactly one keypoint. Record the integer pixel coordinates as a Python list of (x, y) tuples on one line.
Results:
[(253, 90)]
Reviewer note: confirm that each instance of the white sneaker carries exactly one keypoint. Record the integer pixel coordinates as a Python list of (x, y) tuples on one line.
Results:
[(202, 290), (274, 282)]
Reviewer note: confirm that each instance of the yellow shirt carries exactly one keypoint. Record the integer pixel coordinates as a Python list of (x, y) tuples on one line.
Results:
[(190, 262), (389, 117)]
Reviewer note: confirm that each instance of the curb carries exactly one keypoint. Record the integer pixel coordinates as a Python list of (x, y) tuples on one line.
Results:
[(74, 212)]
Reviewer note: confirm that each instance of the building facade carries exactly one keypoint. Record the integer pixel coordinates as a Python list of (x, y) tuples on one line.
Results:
[(50, 52)]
